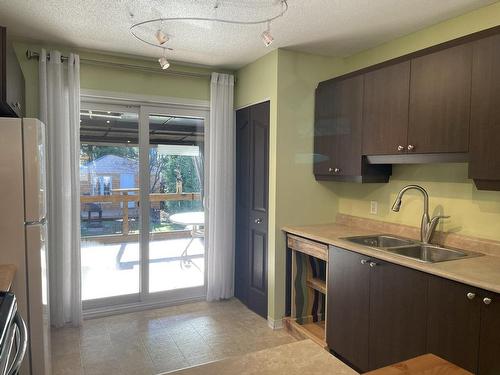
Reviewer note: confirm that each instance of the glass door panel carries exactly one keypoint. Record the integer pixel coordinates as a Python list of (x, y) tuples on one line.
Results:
[(109, 188), (176, 258)]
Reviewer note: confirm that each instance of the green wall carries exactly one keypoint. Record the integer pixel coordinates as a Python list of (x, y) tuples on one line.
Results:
[(116, 79), (298, 199), (473, 212), (288, 80)]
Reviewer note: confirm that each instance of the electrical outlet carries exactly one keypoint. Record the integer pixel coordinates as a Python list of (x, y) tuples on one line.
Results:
[(373, 207)]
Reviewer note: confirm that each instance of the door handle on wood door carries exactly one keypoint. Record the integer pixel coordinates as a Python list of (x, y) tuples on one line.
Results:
[(258, 221)]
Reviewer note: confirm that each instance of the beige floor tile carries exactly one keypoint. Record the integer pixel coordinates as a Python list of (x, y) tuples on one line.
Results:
[(161, 340), (67, 364), (169, 364), (110, 367)]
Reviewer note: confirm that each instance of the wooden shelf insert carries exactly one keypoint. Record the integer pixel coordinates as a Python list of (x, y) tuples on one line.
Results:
[(317, 284), (314, 331)]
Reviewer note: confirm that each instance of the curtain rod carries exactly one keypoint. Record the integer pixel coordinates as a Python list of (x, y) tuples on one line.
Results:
[(35, 55)]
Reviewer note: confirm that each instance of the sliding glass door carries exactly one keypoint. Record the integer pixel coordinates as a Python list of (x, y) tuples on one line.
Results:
[(142, 212), (109, 215)]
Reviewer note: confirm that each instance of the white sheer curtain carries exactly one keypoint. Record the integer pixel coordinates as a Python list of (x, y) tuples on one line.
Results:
[(60, 111), (220, 195)]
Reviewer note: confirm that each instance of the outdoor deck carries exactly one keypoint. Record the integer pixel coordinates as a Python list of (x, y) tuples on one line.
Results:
[(112, 269)]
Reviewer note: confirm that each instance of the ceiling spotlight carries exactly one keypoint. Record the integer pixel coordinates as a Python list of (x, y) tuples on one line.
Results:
[(266, 36), (161, 37), (163, 62)]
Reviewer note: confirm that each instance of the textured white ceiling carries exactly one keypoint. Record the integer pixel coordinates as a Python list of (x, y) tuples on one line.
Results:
[(328, 27)]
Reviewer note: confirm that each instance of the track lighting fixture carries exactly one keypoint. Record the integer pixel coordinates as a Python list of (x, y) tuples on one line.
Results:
[(163, 62), (161, 37), (266, 36), (142, 30)]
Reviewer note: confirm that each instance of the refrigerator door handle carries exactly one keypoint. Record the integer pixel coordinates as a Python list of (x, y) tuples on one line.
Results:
[(39, 222)]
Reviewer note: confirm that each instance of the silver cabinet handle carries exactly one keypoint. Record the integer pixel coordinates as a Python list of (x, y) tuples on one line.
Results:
[(471, 295), (487, 301), (364, 261), (400, 148), (411, 147), (258, 221), (373, 264)]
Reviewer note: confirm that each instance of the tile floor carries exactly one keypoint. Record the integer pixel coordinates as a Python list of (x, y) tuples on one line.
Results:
[(160, 340)]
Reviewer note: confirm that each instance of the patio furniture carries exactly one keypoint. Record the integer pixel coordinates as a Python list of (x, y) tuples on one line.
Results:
[(196, 220), (90, 208)]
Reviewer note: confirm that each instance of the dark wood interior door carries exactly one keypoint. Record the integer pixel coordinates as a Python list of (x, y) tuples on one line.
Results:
[(453, 322), (398, 313), (348, 304), (385, 110), (440, 92), (252, 179)]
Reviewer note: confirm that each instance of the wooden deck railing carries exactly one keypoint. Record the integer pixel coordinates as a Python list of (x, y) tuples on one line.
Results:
[(124, 197)]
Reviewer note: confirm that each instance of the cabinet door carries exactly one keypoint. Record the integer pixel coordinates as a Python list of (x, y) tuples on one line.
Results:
[(440, 89), (323, 134), (489, 344), (453, 322), (385, 110), (348, 307), (338, 127), (485, 111), (398, 314)]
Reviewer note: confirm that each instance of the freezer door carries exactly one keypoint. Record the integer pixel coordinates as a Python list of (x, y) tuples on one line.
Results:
[(38, 299), (34, 170)]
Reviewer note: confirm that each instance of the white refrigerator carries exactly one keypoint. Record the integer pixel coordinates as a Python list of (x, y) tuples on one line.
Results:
[(23, 231)]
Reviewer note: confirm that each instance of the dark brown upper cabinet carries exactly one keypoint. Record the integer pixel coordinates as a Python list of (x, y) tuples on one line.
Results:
[(439, 104), (484, 165), (385, 110), (338, 127), (337, 140), (440, 92)]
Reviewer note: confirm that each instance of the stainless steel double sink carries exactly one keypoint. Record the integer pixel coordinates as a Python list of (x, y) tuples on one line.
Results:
[(407, 248)]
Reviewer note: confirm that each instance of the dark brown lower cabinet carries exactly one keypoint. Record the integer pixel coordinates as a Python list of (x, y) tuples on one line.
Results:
[(376, 310), (453, 322), (347, 307), (464, 326), (379, 313), (398, 314), (489, 338)]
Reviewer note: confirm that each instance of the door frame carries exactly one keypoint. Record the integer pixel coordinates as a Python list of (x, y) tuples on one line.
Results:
[(269, 229), (143, 105)]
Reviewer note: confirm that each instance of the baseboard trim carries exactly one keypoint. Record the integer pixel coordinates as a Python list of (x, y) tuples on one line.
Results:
[(274, 324)]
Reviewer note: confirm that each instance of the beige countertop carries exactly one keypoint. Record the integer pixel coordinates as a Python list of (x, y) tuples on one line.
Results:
[(482, 272), (7, 273), (298, 358)]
